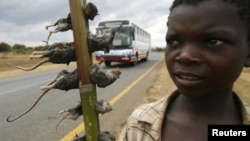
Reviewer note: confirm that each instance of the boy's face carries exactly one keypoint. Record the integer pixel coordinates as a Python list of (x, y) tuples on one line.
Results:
[(207, 48)]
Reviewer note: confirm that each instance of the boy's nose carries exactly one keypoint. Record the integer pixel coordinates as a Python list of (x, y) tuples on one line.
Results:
[(189, 55)]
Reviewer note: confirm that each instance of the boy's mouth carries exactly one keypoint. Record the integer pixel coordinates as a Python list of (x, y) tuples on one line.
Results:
[(187, 77)]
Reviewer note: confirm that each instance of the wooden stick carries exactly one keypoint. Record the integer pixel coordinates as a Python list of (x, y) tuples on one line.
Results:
[(84, 60)]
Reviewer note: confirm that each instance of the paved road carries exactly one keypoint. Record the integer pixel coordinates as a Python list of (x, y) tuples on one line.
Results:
[(18, 93)]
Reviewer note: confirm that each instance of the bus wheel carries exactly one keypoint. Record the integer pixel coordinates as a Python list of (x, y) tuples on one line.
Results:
[(146, 58), (135, 62), (107, 63)]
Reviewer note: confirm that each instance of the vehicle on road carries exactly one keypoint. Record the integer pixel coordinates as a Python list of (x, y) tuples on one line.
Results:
[(131, 43)]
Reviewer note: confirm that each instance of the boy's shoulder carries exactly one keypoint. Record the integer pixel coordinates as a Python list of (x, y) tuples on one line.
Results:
[(245, 112), (151, 112), (155, 110), (244, 108)]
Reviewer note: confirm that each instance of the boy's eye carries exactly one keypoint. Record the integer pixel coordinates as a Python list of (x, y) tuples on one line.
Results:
[(172, 42), (213, 42)]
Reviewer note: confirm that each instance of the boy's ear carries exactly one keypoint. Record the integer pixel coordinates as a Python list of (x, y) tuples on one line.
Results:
[(247, 63)]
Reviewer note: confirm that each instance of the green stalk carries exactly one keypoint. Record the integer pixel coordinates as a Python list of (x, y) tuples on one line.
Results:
[(84, 60)]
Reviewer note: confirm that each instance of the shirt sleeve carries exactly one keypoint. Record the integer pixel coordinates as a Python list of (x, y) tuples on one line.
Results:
[(123, 134)]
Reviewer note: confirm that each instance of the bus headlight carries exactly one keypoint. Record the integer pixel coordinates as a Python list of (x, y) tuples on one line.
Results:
[(127, 53)]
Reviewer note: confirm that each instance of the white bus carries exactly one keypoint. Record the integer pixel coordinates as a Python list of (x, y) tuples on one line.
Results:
[(131, 42)]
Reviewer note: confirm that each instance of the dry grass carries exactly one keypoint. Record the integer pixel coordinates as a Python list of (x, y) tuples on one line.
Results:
[(9, 61), (242, 86)]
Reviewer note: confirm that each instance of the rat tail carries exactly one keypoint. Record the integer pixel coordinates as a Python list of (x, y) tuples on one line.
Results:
[(40, 97), (64, 117), (35, 66)]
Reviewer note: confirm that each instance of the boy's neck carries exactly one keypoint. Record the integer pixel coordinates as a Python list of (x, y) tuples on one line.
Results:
[(218, 109), (206, 105), (188, 117)]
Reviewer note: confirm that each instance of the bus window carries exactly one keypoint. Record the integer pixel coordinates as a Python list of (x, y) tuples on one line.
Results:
[(132, 32), (136, 33), (99, 31), (122, 37)]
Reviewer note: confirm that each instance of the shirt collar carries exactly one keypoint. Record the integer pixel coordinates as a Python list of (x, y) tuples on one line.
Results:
[(153, 111)]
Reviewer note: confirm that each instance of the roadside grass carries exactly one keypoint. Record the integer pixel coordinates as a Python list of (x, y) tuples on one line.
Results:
[(9, 61)]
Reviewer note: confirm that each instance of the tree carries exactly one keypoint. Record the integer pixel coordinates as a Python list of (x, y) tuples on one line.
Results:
[(19, 49), (4, 47), (41, 48)]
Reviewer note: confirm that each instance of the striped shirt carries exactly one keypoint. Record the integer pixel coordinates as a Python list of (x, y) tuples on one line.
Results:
[(145, 122)]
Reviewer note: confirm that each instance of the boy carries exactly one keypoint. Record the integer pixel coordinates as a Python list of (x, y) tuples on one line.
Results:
[(208, 45)]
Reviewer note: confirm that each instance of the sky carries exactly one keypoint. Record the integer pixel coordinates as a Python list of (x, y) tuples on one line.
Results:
[(24, 21)]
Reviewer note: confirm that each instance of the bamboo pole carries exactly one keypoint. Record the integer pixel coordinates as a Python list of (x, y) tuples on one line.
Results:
[(84, 60)]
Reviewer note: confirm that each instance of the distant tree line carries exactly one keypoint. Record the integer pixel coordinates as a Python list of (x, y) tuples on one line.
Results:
[(20, 48), (158, 49)]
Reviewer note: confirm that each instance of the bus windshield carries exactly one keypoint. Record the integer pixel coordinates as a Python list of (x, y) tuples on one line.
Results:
[(123, 36)]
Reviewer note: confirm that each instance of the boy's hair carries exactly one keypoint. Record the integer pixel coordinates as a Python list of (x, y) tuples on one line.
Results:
[(242, 5)]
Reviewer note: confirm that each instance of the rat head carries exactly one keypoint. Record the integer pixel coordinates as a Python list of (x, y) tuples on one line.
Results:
[(116, 72), (90, 11), (109, 32), (103, 107), (109, 35), (206, 54)]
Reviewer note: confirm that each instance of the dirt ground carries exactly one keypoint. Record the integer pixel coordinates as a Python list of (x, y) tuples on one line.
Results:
[(8, 63)]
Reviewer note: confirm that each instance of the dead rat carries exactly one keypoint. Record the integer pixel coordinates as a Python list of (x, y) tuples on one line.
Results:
[(102, 136), (101, 42), (64, 24), (58, 53), (74, 113), (64, 53), (66, 80), (103, 78)]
